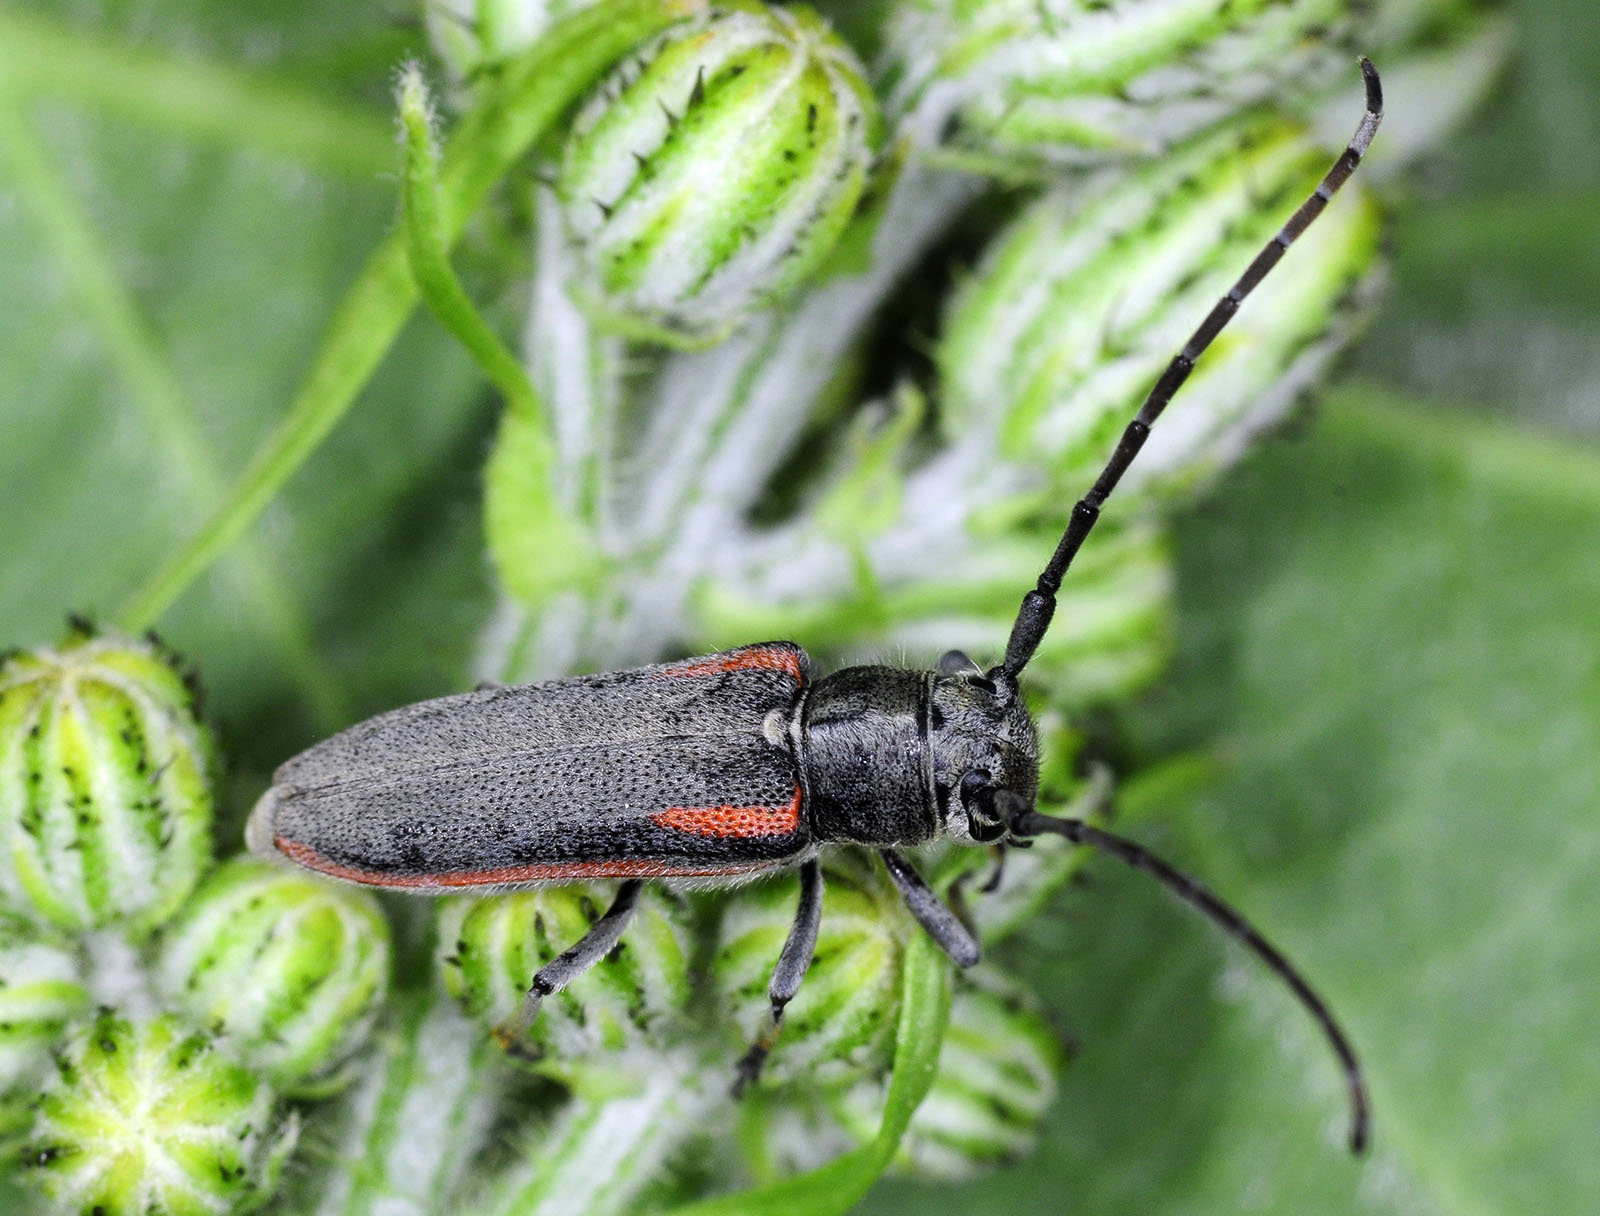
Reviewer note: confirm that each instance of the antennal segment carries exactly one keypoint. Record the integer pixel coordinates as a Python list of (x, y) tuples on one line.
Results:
[(1025, 822), (1039, 605)]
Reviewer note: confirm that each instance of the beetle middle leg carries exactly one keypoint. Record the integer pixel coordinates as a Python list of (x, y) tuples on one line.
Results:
[(941, 924), (792, 965), (571, 963)]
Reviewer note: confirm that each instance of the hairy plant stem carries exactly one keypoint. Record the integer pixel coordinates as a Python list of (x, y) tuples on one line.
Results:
[(535, 90), (600, 1152), (718, 424), (407, 1135)]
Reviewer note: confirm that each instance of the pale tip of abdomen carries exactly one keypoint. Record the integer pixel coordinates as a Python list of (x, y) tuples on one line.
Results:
[(260, 830)]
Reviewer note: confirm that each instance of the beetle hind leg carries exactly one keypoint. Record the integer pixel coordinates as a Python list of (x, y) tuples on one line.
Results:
[(570, 964), (793, 962)]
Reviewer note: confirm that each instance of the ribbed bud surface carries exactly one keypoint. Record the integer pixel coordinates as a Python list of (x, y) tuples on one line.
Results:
[(998, 1071), (999, 1066), (152, 1117), (490, 948), (1115, 639), (290, 968), (1082, 301), (715, 171), (1075, 81), (105, 796), (41, 990), (842, 1022)]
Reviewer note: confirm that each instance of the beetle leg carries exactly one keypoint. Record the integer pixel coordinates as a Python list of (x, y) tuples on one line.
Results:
[(571, 963), (996, 875), (786, 976), (943, 925)]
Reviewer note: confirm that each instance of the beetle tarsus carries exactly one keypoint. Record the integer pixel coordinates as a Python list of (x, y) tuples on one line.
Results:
[(996, 875), (571, 963), (753, 1061), (793, 962)]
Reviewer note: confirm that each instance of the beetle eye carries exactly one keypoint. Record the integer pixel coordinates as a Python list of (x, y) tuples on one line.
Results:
[(977, 779), (982, 684)]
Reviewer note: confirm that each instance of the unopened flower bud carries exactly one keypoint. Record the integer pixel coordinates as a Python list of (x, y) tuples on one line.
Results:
[(715, 171), (1067, 81), (842, 1022), (290, 969), (998, 1071), (105, 784), (490, 948), (41, 990), (153, 1117), (1082, 301)]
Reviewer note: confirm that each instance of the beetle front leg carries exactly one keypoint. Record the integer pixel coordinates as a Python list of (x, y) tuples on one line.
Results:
[(793, 962), (571, 963), (941, 924)]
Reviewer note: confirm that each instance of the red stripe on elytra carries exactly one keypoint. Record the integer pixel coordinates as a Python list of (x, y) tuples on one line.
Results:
[(305, 855), (770, 656), (743, 821)]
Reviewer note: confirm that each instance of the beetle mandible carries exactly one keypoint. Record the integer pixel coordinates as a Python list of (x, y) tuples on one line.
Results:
[(719, 768)]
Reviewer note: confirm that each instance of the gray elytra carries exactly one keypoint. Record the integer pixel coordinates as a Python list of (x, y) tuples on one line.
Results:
[(719, 768)]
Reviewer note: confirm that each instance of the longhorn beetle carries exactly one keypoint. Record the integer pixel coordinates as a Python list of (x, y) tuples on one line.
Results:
[(738, 763)]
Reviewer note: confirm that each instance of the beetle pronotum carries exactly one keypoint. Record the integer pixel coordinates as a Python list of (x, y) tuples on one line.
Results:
[(739, 763)]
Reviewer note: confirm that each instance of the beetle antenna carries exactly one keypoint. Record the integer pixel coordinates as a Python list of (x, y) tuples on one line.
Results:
[(1039, 605), (1025, 822)]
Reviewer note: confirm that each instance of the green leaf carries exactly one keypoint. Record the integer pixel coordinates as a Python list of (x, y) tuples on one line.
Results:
[(185, 94), (1388, 641), (836, 1187), (161, 298)]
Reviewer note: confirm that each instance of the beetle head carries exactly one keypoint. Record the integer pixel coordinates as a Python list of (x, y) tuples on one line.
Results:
[(983, 738)]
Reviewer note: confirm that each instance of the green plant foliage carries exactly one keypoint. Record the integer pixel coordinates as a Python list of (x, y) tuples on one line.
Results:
[(1406, 800), (1376, 721)]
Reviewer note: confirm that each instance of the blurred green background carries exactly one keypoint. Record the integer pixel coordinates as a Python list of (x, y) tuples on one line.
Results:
[(1389, 619)]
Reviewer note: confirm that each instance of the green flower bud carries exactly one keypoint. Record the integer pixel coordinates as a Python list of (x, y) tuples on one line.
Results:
[(1087, 295), (1068, 81), (1113, 637), (998, 1068), (105, 794), (41, 990), (290, 969), (490, 948), (998, 1071), (714, 172), (151, 1117), (842, 1022)]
